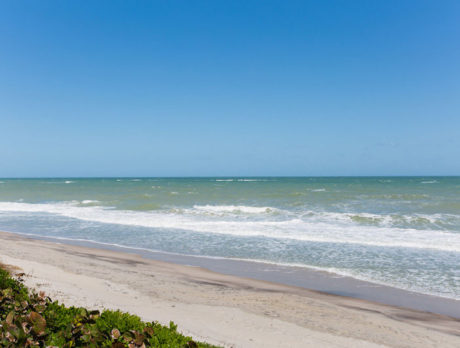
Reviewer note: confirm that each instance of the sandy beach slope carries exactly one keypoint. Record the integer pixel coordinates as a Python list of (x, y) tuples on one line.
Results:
[(220, 309)]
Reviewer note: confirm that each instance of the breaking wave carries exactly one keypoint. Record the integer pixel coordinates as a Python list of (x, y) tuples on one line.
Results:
[(248, 221)]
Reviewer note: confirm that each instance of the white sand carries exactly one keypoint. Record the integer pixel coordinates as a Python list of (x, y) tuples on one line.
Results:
[(220, 309)]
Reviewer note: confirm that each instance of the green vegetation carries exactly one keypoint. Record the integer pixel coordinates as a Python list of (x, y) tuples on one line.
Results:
[(28, 319)]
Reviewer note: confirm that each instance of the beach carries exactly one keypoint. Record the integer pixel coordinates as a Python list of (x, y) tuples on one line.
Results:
[(280, 174), (399, 232), (217, 308)]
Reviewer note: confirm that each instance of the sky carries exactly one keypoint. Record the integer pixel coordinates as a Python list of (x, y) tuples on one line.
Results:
[(229, 88)]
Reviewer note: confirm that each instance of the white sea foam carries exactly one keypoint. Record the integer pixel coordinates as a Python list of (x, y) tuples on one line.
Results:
[(234, 209), (339, 272), (89, 201), (249, 180), (68, 182), (318, 190), (316, 227), (382, 220), (430, 182), (243, 180)]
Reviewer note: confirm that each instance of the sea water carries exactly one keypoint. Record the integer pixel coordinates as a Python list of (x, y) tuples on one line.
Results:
[(398, 231)]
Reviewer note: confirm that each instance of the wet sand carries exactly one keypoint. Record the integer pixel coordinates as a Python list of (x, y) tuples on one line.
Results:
[(296, 276), (235, 311)]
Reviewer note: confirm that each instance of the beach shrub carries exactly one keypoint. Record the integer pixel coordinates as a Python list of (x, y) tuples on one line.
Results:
[(31, 319)]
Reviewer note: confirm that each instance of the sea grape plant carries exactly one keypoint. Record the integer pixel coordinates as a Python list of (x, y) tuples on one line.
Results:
[(31, 319)]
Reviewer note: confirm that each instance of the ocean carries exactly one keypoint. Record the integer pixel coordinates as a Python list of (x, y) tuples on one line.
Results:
[(397, 231)]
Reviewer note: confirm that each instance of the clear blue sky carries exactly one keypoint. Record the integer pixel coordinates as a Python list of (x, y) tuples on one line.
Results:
[(196, 88)]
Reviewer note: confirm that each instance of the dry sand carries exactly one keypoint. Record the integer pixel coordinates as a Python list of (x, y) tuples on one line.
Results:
[(225, 310)]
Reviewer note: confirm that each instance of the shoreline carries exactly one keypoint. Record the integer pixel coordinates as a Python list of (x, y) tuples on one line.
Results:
[(218, 308), (298, 276)]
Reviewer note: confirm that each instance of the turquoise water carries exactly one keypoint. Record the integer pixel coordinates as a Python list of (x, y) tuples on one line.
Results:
[(403, 232)]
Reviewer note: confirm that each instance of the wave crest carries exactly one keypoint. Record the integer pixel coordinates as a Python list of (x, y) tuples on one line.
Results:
[(313, 226), (234, 209)]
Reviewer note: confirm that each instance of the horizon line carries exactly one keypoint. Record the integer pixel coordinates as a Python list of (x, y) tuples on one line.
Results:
[(229, 176)]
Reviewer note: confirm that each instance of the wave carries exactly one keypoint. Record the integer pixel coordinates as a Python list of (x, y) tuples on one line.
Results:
[(386, 220), (90, 201), (69, 182), (322, 227), (430, 182), (243, 180), (234, 209), (254, 180)]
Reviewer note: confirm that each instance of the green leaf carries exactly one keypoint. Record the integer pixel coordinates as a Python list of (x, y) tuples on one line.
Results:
[(10, 317)]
